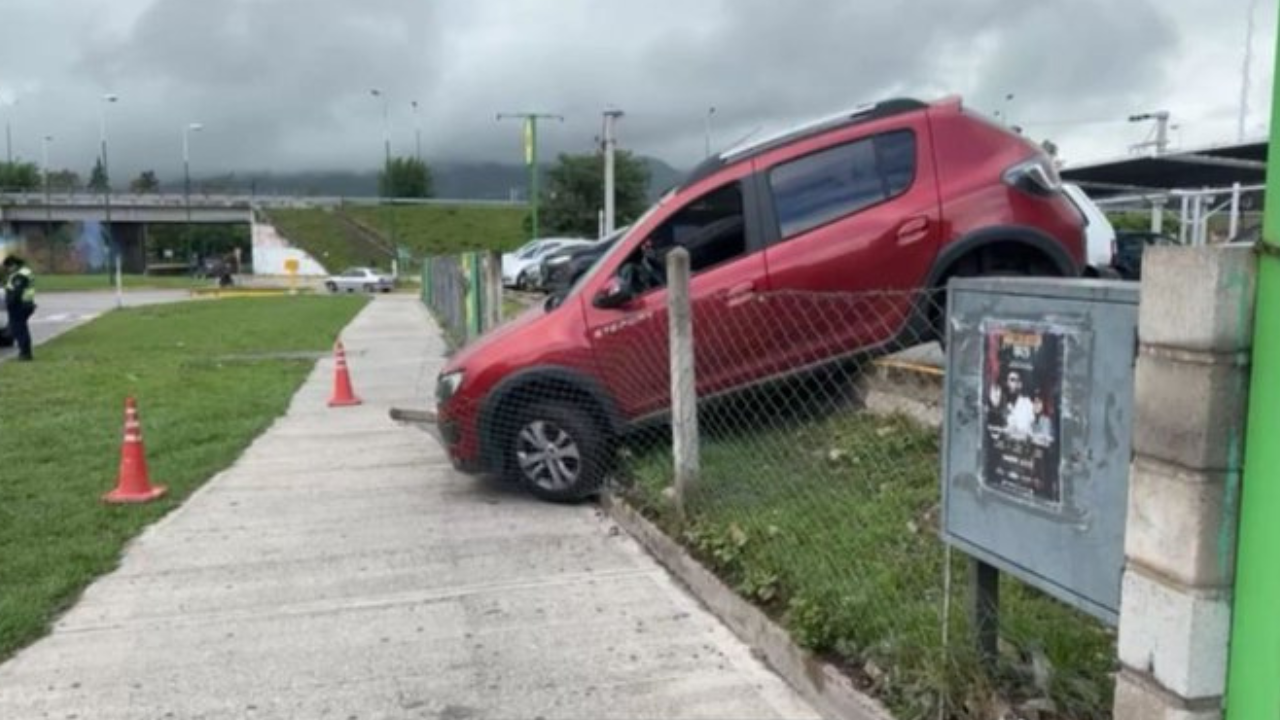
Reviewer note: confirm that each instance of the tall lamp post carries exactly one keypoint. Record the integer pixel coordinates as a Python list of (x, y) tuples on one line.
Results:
[(385, 192), (531, 156), (706, 130), (8, 131), (108, 100), (417, 132), (186, 178), (48, 209)]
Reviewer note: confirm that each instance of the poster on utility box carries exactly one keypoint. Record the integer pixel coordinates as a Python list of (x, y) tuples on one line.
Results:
[(1022, 405)]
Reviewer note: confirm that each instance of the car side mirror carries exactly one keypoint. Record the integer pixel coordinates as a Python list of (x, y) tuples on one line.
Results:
[(615, 294)]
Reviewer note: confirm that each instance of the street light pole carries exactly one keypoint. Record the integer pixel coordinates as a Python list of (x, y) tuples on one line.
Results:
[(186, 178), (417, 132), (107, 100), (48, 208), (385, 192), (706, 133), (8, 133), (531, 156)]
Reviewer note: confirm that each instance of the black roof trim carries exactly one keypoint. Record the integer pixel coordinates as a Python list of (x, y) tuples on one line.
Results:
[(883, 109)]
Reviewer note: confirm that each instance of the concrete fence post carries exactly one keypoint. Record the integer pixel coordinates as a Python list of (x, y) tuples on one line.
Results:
[(684, 395), (1191, 392), (492, 289)]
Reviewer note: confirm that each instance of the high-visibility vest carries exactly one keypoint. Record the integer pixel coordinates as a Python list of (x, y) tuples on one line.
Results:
[(29, 294)]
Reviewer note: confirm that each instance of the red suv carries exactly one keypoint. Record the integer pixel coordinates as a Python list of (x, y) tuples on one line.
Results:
[(889, 201)]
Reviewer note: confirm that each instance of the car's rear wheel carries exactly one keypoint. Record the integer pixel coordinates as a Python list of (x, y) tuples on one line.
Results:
[(558, 452), (331, 286)]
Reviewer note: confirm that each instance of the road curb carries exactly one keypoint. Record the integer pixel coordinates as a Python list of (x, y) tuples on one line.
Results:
[(830, 691)]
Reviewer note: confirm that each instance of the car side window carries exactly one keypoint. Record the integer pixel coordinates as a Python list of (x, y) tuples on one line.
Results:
[(712, 228), (832, 183)]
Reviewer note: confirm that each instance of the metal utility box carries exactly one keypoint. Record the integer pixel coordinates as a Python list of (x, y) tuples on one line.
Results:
[(1039, 407)]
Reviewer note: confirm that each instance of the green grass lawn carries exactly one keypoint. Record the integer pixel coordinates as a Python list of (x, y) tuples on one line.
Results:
[(831, 525), (105, 283), (335, 244), (61, 421), (360, 234), (446, 229)]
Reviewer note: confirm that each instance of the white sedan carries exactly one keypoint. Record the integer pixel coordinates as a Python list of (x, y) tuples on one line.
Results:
[(520, 267), (359, 278)]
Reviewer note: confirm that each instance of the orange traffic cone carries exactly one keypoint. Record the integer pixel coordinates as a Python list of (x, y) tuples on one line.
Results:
[(342, 393), (132, 486)]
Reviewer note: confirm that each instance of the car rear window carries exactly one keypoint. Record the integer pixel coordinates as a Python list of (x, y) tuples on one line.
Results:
[(832, 183)]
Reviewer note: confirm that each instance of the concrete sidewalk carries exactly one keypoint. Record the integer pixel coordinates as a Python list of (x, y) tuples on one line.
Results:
[(341, 569)]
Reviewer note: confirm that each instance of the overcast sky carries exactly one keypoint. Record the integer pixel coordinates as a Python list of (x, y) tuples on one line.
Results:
[(285, 84)]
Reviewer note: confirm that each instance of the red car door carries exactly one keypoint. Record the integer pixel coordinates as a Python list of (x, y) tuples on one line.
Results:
[(855, 226), (631, 343)]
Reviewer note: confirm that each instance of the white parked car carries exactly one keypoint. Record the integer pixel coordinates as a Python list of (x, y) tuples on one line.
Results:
[(359, 279), (519, 267), (1099, 235)]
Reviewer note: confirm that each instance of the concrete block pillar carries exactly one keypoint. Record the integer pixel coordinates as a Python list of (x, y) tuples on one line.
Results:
[(1195, 329)]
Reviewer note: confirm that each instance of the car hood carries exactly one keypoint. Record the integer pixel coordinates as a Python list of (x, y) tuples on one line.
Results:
[(518, 324)]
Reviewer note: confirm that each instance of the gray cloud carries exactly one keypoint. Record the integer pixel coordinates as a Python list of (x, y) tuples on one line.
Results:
[(284, 84)]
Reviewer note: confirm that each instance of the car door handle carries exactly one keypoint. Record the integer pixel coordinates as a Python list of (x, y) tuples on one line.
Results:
[(741, 293), (913, 230)]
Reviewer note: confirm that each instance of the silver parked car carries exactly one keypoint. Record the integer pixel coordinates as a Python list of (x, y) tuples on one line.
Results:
[(359, 278)]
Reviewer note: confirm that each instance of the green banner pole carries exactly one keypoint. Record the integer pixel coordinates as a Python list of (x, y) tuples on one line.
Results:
[(1253, 679)]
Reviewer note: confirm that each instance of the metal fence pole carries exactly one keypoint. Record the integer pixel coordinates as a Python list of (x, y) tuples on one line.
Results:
[(475, 296), (684, 395), (1253, 679), (493, 289)]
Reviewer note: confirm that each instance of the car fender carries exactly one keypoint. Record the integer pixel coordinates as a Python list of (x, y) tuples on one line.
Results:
[(529, 380), (1021, 235)]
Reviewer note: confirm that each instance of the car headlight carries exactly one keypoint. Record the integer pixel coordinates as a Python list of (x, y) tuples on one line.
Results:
[(447, 385)]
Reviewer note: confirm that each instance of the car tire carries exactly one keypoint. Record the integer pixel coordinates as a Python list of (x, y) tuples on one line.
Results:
[(522, 282), (558, 452), (331, 286)]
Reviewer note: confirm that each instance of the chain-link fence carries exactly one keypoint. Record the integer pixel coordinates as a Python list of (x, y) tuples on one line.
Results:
[(810, 484), (450, 289)]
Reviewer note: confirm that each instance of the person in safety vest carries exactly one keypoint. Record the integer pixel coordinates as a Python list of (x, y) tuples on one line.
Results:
[(20, 301)]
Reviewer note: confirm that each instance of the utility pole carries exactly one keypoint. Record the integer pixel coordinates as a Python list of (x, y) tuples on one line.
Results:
[(1244, 73), (1161, 143), (531, 155), (610, 144)]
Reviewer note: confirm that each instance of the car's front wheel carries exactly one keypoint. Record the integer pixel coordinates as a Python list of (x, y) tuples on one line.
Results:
[(558, 452), (524, 283)]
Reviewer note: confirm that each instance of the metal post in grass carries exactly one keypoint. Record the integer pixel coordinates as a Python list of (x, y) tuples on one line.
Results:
[(1253, 677), (684, 395)]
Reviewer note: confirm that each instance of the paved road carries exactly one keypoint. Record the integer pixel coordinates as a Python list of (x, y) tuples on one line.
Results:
[(59, 312), (342, 569)]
